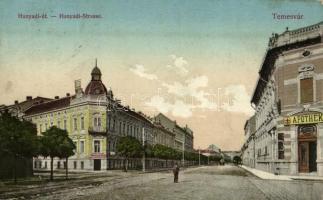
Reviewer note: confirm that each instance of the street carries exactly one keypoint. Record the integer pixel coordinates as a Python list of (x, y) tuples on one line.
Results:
[(207, 182)]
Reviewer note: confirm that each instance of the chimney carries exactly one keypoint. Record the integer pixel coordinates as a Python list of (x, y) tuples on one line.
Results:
[(78, 88), (28, 98), (56, 97), (68, 94), (16, 101)]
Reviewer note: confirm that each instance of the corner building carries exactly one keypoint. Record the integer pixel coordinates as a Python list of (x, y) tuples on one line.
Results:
[(288, 101), (94, 120)]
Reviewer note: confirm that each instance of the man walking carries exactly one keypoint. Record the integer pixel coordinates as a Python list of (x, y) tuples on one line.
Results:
[(176, 171)]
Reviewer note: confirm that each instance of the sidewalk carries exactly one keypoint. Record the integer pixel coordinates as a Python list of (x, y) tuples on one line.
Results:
[(270, 176)]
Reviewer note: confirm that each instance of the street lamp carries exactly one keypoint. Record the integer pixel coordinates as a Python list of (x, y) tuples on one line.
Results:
[(144, 154)]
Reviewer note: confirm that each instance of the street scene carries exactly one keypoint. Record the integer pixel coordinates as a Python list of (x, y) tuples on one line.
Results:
[(205, 182)]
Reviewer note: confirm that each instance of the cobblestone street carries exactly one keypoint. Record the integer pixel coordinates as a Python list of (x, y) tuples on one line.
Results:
[(220, 182), (211, 182)]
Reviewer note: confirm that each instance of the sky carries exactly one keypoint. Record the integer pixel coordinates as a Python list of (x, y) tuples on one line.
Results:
[(195, 61)]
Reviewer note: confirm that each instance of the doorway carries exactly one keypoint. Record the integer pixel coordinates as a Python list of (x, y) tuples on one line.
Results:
[(97, 164), (307, 145)]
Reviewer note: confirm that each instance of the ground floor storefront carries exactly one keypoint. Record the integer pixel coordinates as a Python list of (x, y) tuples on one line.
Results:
[(288, 145)]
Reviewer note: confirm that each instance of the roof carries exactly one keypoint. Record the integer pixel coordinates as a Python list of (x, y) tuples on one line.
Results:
[(24, 105), (48, 106), (161, 127), (96, 87), (268, 64)]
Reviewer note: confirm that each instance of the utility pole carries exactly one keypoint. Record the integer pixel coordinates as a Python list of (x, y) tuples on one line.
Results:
[(199, 156), (144, 154), (183, 159)]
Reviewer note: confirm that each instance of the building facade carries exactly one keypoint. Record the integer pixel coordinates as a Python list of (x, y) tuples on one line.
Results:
[(248, 148), (95, 121), (183, 140), (288, 102)]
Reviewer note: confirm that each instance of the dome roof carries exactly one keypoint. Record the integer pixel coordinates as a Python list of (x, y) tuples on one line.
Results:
[(96, 71), (96, 87)]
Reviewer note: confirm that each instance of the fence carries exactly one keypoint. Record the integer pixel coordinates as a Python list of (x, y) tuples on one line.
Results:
[(150, 163)]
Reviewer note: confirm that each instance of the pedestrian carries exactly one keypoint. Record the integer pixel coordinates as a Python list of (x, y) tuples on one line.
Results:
[(176, 172)]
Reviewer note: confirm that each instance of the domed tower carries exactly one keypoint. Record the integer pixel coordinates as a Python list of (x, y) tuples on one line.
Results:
[(96, 87)]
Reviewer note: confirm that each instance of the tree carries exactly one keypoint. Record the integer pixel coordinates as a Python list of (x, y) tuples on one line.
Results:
[(237, 160), (18, 139), (129, 147), (66, 149), (56, 143)]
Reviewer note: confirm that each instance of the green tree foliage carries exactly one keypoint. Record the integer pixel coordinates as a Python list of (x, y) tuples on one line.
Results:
[(237, 160), (66, 149), (129, 147), (164, 152), (17, 138), (56, 143)]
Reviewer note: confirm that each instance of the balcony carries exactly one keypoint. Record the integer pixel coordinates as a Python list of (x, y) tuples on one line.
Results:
[(97, 130)]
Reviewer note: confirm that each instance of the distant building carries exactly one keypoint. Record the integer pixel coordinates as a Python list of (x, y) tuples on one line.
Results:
[(214, 148), (183, 135), (285, 134), (248, 153)]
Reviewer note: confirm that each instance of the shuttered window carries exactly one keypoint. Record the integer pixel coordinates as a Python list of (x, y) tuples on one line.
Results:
[(306, 90)]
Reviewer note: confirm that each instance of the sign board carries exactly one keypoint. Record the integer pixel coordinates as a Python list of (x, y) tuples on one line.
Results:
[(312, 118)]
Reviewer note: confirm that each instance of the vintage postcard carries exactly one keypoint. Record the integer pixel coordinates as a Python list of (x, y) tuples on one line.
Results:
[(172, 99)]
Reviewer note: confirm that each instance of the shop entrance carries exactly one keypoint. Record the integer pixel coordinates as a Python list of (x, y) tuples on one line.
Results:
[(307, 149), (97, 164)]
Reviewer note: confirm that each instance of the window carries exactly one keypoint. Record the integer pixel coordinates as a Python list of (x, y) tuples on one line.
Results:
[(96, 146), (81, 146), (306, 86), (75, 143), (120, 125), (58, 164), (82, 164), (51, 124), (124, 128), (99, 121), (40, 128), (46, 126), (281, 146), (75, 124), (59, 124), (45, 165), (75, 164), (131, 130), (259, 153), (65, 124), (64, 164), (82, 123)]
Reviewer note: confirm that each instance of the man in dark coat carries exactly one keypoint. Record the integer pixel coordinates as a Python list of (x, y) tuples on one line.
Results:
[(176, 171)]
